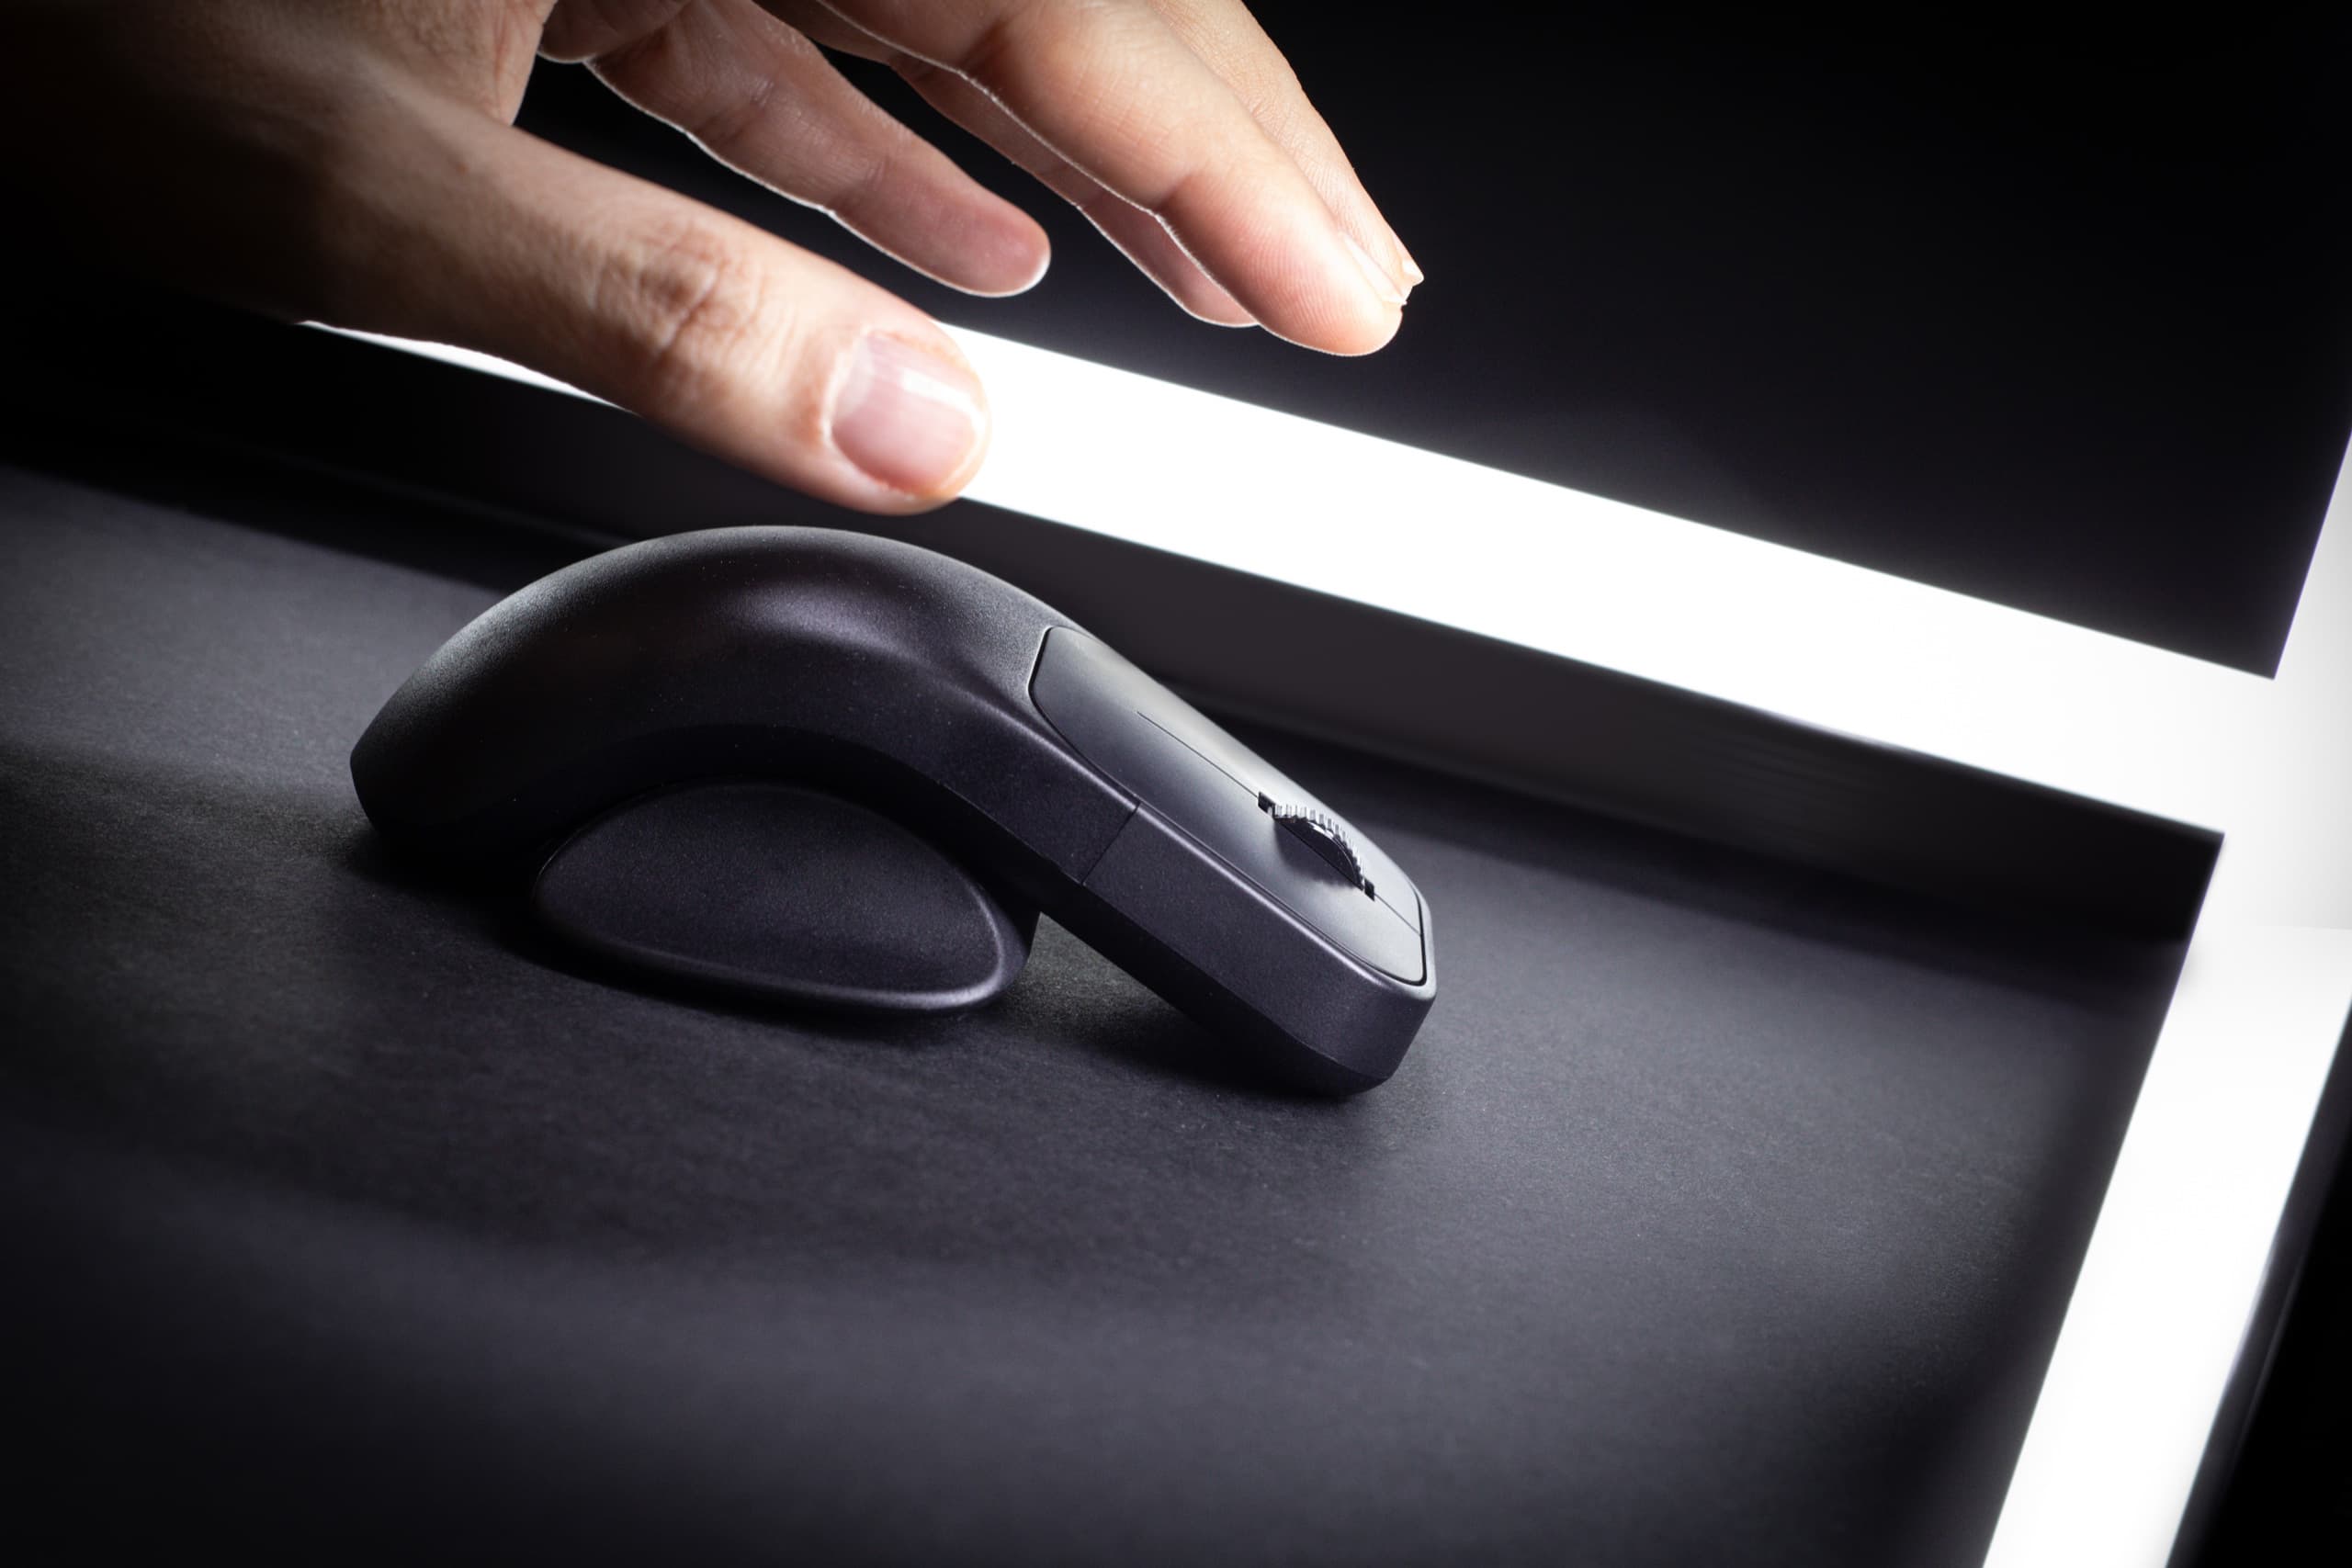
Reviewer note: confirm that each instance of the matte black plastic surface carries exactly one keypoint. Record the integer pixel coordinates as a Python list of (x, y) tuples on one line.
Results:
[(873, 668), (1202, 879), (1207, 784), (783, 892), (888, 674)]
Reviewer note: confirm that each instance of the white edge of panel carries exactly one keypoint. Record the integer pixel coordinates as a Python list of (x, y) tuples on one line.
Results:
[(2161, 1310)]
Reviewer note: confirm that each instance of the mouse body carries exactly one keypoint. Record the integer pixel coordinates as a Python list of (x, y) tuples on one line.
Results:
[(848, 772)]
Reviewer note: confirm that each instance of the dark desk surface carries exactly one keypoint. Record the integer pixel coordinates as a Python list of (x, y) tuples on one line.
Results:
[(1722, 1213)]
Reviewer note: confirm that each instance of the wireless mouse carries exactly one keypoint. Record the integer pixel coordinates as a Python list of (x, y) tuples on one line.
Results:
[(841, 772)]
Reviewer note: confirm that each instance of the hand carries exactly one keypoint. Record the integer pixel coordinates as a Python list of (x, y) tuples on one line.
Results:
[(356, 162)]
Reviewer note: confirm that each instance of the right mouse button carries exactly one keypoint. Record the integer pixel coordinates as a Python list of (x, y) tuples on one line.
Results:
[(1233, 802)]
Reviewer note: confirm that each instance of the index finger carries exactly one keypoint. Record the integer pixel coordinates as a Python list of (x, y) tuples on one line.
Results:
[(1114, 91)]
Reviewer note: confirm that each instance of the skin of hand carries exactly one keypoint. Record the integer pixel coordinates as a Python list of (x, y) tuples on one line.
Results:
[(356, 162)]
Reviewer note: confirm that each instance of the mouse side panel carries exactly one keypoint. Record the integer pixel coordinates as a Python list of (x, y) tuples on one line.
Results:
[(1232, 801), (767, 889), (1318, 960), (1164, 908)]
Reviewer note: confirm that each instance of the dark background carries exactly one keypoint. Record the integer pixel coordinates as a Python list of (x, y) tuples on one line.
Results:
[(2051, 315), (2056, 319)]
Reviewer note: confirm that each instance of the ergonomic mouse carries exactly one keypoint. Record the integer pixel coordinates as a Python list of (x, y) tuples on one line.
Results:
[(848, 773)]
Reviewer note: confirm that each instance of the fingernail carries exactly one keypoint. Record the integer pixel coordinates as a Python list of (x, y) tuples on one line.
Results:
[(909, 418), (1389, 289), (1413, 275)]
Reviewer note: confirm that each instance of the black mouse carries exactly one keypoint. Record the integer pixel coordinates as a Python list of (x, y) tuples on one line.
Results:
[(849, 772)]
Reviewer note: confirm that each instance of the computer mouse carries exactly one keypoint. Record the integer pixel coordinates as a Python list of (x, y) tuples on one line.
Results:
[(843, 771)]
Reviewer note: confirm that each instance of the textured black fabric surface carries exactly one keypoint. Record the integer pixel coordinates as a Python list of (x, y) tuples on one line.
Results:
[(1722, 1212)]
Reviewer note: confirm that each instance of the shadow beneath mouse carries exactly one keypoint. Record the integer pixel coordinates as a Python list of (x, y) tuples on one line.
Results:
[(1068, 995), (1079, 999)]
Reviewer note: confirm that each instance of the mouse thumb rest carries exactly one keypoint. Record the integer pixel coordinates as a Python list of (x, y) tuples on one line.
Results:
[(776, 889), (848, 772)]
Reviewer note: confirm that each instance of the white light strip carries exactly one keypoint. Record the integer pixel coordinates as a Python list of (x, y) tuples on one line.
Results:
[(1710, 611), (2176, 1263), (2161, 1307), (1566, 573), (2161, 1311), (464, 358)]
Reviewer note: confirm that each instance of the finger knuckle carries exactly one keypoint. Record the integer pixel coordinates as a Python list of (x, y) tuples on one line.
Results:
[(586, 30), (1029, 49), (730, 120), (694, 312), (867, 189)]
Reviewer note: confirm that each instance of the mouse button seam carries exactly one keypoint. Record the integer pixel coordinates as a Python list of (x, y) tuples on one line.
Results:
[(1134, 805), (1204, 756)]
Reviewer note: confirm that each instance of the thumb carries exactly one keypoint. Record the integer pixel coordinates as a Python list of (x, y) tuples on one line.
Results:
[(459, 229)]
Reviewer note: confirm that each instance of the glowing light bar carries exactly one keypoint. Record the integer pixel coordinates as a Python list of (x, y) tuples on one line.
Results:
[(1836, 645), (1846, 648), (2160, 1309)]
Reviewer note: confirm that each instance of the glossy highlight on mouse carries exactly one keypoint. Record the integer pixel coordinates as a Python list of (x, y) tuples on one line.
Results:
[(844, 772)]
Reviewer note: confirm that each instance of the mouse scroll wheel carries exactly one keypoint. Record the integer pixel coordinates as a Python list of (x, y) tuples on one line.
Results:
[(1318, 832)]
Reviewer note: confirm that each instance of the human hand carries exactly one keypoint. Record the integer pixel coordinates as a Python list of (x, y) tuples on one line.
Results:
[(356, 162)]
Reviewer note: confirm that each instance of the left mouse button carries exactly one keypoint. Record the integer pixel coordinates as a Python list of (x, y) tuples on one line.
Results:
[(781, 891)]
